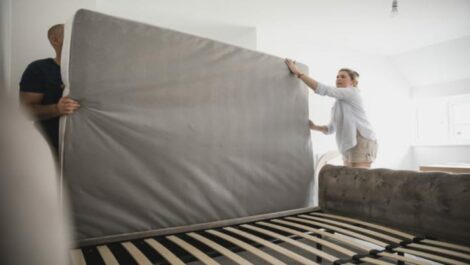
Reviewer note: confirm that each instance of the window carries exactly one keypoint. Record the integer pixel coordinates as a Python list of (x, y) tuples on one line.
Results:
[(443, 121), (459, 111)]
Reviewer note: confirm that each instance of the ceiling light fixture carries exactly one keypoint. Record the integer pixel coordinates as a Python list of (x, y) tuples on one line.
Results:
[(394, 8)]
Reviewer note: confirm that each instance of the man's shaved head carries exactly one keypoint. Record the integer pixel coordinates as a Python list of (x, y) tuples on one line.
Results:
[(55, 34)]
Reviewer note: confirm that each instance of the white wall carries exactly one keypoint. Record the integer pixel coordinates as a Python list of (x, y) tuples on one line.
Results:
[(436, 64), (435, 71), (28, 40), (428, 155), (451, 88), (154, 14), (386, 93), (30, 21), (5, 42), (386, 82)]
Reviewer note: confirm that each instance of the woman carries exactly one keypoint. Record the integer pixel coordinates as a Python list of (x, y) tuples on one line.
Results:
[(354, 135)]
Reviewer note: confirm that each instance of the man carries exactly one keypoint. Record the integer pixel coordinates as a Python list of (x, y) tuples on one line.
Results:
[(41, 90)]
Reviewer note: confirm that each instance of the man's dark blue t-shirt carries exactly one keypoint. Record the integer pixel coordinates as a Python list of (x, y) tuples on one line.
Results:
[(43, 76)]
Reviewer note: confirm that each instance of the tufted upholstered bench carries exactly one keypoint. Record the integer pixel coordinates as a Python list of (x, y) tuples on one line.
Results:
[(435, 204)]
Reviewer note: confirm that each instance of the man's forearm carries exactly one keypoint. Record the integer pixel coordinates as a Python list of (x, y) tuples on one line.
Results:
[(43, 112)]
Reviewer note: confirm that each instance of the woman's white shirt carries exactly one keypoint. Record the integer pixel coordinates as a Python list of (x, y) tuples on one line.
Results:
[(347, 116)]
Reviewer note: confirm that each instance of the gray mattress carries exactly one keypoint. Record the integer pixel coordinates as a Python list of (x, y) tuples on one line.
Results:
[(176, 130)]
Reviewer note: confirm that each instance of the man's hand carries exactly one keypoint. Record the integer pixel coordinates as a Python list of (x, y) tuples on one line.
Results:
[(67, 106)]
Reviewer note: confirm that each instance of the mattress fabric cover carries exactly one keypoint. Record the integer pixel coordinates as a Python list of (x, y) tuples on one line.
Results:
[(175, 129)]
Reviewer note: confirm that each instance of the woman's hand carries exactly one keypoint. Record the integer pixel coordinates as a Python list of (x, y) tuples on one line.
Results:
[(312, 125), (310, 82), (292, 67)]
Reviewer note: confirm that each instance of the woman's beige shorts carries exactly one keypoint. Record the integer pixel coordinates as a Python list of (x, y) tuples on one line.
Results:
[(364, 151)]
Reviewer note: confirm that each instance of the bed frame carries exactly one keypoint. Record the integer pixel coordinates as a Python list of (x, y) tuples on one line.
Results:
[(375, 216)]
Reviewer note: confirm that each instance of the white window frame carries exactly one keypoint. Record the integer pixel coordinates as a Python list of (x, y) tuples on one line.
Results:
[(447, 105)]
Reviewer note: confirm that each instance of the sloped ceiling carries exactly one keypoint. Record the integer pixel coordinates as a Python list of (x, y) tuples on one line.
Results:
[(424, 37), (437, 64), (364, 25)]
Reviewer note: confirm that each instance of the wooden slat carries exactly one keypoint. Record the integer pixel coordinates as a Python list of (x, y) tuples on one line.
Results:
[(323, 242), (346, 241), (440, 250), (419, 246), (164, 252), (138, 256), (309, 248), (291, 241), (325, 234), (77, 257), (356, 228), (194, 251), (317, 240), (446, 245), (375, 261), (402, 258), (224, 251), (272, 246), (341, 230), (107, 255), (366, 259), (408, 236), (355, 221), (430, 256), (247, 247), (392, 239)]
